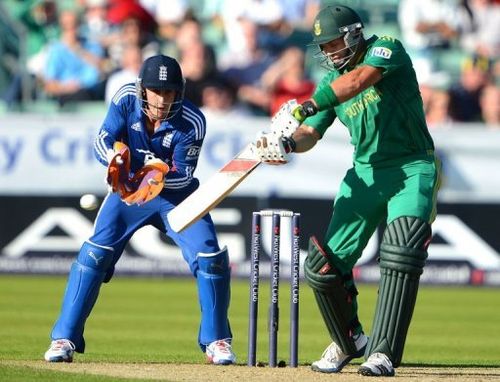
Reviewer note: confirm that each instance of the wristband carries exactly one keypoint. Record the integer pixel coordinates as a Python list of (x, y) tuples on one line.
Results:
[(289, 144), (325, 98), (306, 109)]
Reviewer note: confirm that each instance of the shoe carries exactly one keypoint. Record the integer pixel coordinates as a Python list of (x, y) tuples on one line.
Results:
[(377, 365), (334, 359), (60, 351), (220, 353)]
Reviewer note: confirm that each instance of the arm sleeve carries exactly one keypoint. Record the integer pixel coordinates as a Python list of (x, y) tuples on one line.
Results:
[(322, 120), (186, 153), (112, 130)]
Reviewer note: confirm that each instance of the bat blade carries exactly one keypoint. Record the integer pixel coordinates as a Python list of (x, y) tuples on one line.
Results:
[(213, 191)]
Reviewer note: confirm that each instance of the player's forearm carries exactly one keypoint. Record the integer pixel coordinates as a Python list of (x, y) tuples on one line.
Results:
[(353, 83), (103, 147), (305, 138), (346, 87)]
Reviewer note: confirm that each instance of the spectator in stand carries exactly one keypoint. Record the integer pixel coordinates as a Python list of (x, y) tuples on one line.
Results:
[(219, 101), (285, 80), (130, 66), (481, 29), (169, 15), (135, 26), (435, 97), (39, 17), (95, 25), (489, 101), (198, 66), (273, 30), (437, 113), (237, 15), (464, 96), (246, 76), (300, 13), (132, 32), (121, 10), (190, 32), (428, 26), (73, 67)]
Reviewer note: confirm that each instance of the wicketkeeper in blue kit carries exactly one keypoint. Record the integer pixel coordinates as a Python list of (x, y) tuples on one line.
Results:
[(150, 141)]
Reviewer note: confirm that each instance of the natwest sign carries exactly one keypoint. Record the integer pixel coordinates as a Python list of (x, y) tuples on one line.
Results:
[(43, 235)]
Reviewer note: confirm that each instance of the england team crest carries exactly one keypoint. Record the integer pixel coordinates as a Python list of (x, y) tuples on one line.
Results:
[(162, 75)]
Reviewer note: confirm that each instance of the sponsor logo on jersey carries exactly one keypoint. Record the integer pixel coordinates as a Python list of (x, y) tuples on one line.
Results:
[(136, 126), (382, 52), (167, 140), (193, 152), (162, 75)]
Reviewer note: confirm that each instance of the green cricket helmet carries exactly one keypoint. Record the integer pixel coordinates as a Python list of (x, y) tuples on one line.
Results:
[(331, 23)]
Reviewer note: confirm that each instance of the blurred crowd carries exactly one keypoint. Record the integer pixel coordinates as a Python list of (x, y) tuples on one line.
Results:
[(246, 57), (434, 30)]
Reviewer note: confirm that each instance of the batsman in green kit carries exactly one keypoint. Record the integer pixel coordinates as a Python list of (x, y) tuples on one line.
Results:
[(372, 89)]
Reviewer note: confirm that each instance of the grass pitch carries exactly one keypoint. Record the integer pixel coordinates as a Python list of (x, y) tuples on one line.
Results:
[(155, 321)]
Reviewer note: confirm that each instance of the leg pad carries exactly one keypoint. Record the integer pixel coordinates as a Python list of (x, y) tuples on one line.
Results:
[(335, 295), (84, 282), (213, 279), (402, 258)]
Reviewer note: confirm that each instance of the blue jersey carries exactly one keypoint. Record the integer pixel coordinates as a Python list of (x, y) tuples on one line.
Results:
[(177, 142)]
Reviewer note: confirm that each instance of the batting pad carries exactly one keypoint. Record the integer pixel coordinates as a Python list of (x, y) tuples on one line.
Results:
[(336, 303), (402, 258)]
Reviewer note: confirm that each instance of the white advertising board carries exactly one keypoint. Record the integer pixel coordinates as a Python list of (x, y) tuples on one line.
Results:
[(53, 155)]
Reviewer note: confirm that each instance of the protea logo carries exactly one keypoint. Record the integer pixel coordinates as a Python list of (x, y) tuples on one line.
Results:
[(162, 76), (317, 28)]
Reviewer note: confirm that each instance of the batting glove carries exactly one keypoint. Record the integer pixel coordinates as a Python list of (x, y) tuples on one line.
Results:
[(284, 123), (274, 149)]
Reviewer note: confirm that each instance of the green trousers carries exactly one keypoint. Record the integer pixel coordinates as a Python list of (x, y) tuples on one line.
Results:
[(368, 195)]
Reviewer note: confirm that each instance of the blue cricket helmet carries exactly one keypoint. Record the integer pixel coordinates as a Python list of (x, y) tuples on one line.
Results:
[(161, 73)]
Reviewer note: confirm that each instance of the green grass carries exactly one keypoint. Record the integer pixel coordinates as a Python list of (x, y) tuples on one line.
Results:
[(22, 374), (156, 320)]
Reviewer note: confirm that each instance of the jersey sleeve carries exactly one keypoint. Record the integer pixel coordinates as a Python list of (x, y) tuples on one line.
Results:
[(322, 120), (112, 130), (388, 54), (187, 150)]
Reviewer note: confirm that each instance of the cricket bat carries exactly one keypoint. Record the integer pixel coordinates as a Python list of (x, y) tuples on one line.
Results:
[(214, 190)]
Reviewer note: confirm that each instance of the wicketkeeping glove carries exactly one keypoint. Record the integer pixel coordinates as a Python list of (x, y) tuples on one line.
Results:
[(146, 183), (119, 168)]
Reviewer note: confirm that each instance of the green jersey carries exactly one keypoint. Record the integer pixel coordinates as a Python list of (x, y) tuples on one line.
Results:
[(387, 120)]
